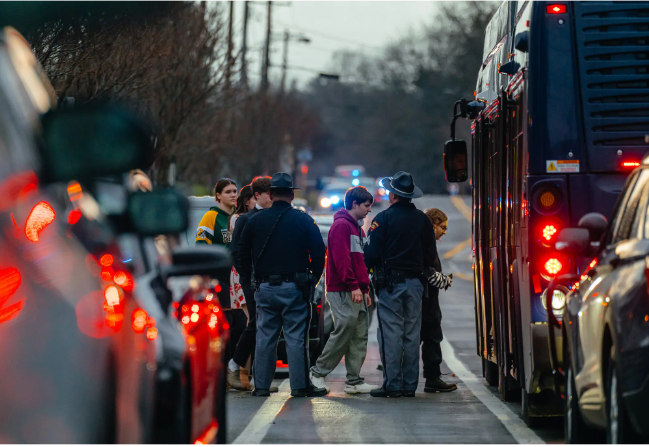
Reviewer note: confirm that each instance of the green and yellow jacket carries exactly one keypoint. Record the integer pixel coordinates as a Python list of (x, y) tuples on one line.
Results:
[(213, 228)]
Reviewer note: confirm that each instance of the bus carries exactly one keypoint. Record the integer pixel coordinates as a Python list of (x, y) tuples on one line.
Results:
[(559, 119)]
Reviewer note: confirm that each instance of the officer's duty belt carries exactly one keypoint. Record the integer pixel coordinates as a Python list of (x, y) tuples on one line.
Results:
[(399, 276), (277, 279)]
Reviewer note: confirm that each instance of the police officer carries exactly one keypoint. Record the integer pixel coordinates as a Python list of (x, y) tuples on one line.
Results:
[(285, 249), (401, 248)]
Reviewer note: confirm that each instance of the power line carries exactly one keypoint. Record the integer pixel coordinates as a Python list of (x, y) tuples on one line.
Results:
[(329, 36)]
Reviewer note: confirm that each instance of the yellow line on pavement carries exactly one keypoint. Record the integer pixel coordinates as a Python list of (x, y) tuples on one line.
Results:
[(462, 207), (463, 276), (458, 248)]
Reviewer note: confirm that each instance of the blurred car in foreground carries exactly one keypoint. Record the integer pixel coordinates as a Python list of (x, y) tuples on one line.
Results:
[(72, 371), (605, 323)]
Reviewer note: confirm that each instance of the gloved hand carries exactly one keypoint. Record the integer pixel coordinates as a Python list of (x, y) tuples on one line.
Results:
[(439, 280)]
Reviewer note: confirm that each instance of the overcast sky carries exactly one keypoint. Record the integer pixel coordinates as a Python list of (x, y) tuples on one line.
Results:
[(362, 26)]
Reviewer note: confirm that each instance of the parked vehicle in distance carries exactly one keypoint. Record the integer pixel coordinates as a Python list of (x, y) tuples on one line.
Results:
[(349, 171)]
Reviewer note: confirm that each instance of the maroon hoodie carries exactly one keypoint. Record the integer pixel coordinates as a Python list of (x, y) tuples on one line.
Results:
[(346, 269)]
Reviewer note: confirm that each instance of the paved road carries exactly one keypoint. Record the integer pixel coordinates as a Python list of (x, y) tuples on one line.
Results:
[(472, 414)]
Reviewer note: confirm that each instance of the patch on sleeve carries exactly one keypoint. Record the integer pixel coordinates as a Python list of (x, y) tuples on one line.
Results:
[(374, 226), (200, 234)]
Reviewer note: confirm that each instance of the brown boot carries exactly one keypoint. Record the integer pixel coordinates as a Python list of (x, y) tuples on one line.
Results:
[(232, 379), (244, 378)]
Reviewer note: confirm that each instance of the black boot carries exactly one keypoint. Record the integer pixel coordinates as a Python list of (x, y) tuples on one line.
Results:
[(385, 393), (261, 393), (310, 391), (437, 384)]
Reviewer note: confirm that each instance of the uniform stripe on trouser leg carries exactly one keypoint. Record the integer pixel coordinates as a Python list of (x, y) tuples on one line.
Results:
[(306, 347), (378, 318)]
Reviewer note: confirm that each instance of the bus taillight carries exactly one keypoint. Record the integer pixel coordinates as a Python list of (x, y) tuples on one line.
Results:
[(549, 231), (553, 266), (555, 9), (630, 164)]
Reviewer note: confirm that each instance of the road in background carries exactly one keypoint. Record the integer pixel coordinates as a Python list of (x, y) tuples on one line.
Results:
[(472, 414)]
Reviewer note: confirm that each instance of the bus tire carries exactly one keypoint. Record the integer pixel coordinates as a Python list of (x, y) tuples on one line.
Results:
[(526, 403), (508, 388), (490, 372)]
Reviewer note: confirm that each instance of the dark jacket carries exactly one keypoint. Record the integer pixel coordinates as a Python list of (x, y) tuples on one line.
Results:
[(403, 238), (236, 237), (295, 246), (345, 266)]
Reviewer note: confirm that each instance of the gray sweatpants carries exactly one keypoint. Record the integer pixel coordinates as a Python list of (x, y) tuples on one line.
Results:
[(399, 315), (348, 339), (280, 307)]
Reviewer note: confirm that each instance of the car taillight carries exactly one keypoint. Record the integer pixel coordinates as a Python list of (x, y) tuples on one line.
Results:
[(152, 333), (138, 320), (74, 216), (555, 9), (106, 260), (10, 280), (124, 280), (113, 295), (40, 217)]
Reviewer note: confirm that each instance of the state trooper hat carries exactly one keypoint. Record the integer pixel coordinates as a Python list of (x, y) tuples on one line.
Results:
[(402, 185), (282, 180)]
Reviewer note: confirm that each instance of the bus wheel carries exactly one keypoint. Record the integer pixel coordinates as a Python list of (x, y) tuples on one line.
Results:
[(507, 386), (526, 404), (490, 372)]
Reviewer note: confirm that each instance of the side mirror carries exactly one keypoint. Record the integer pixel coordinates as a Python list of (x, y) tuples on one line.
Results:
[(157, 212), (88, 142), (573, 241), (474, 108), (596, 225), (455, 161), (510, 68), (521, 41), (213, 261)]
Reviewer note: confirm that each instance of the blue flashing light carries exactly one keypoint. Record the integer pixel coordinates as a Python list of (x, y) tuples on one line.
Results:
[(356, 182), (335, 200), (356, 172)]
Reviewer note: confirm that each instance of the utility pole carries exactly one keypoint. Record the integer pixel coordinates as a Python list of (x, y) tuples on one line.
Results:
[(285, 61), (244, 48), (266, 64), (228, 73)]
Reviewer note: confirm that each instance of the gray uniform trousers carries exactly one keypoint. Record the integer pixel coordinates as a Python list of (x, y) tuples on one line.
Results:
[(278, 307), (399, 316), (348, 339)]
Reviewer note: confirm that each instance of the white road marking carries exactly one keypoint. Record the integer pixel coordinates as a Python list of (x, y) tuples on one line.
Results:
[(256, 430), (509, 419)]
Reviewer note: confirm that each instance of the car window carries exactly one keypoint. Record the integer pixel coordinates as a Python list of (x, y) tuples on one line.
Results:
[(629, 207)]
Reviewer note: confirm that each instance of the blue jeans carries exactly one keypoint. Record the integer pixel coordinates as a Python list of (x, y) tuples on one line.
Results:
[(399, 315), (280, 307)]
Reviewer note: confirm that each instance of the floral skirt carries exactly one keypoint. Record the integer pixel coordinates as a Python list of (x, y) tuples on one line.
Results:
[(237, 299)]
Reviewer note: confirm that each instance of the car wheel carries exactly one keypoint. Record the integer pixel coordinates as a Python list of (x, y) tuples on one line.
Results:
[(576, 431), (618, 427)]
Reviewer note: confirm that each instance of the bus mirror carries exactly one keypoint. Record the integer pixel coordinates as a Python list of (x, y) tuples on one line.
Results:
[(474, 108), (510, 68), (455, 161), (573, 241), (595, 223), (521, 41)]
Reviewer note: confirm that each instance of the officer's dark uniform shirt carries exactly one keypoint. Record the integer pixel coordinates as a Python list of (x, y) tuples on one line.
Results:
[(236, 238), (403, 237), (295, 246)]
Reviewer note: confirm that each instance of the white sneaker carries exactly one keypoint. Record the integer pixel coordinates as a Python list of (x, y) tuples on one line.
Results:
[(361, 388), (319, 382)]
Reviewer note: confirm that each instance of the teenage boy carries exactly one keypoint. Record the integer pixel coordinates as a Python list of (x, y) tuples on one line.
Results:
[(348, 287), (431, 323)]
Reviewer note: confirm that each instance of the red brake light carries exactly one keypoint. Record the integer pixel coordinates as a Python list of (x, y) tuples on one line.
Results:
[(138, 320), (556, 9), (553, 266), (106, 260), (40, 217), (630, 164), (113, 295), (10, 280), (549, 231), (152, 333), (217, 288), (124, 280)]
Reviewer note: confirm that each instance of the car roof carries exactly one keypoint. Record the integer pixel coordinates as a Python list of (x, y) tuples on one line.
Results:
[(201, 201)]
